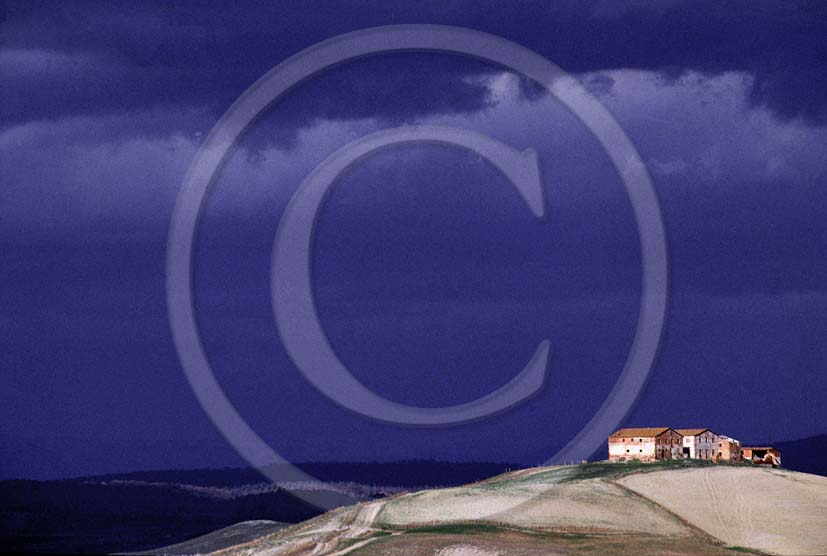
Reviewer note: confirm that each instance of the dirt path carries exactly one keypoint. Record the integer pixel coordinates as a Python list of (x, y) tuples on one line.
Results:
[(360, 544), (742, 509), (355, 522), (363, 521), (713, 502)]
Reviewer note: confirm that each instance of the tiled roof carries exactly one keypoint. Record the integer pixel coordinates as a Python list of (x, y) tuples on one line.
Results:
[(644, 432), (691, 432)]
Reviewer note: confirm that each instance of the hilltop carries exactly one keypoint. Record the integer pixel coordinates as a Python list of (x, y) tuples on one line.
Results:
[(673, 507)]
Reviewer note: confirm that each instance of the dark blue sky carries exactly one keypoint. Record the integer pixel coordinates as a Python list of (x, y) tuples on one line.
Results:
[(433, 282)]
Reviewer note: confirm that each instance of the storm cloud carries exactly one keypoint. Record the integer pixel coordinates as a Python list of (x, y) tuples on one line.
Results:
[(62, 59)]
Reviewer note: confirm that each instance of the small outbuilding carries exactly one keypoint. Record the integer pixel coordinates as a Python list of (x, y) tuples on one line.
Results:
[(762, 455)]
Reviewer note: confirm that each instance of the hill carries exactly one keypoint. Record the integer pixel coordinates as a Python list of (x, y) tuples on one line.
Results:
[(239, 533), (808, 455), (680, 507)]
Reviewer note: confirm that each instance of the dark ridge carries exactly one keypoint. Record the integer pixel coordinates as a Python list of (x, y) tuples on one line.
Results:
[(807, 455), (399, 474), (75, 516), (101, 514)]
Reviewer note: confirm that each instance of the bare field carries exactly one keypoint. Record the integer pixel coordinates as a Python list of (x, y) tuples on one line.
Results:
[(510, 543), (586, 506), (667, 509), (770, 510)]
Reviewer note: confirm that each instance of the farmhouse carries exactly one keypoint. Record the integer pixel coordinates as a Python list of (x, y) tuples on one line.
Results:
[(659, 443), (645, 444), (698, 443)]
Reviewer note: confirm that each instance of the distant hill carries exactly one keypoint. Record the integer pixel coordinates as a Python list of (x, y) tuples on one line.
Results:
[(408, 473), (84, 516), (147, 509), (808, 455)]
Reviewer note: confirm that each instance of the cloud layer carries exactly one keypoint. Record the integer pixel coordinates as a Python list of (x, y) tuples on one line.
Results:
[(99, 58)]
